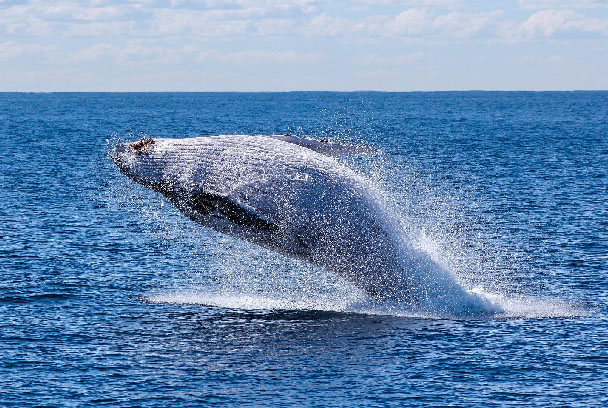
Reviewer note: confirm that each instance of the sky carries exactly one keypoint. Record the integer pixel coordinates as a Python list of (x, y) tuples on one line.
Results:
[(272, 45)]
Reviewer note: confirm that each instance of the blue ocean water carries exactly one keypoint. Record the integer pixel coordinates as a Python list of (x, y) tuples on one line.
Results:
[(109, 296)]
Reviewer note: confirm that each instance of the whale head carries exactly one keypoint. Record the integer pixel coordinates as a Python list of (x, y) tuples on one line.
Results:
[(139, 161), (160, 164), (210, 180)]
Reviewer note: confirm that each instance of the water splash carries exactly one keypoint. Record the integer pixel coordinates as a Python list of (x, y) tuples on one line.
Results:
[(252, 278), (511, 308)]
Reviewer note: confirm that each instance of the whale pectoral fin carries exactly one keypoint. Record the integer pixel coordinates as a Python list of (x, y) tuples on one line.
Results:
[(325, 146), (237, 213)]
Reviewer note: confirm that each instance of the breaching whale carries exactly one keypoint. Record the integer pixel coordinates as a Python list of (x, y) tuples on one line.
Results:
[(292, 196)]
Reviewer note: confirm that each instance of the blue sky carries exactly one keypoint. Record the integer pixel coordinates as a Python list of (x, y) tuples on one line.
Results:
[(271, 45)]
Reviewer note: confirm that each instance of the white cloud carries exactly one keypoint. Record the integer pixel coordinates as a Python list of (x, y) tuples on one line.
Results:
[(270, 57), (562, 4), (200, 23), (547, 23), (382, 60), (274, 26), (75, 12), (327, 26), (135, 52), (205, 18), (544, 59), (264, 6), (411, 23), (413, 3), (11, 50), (409, 58), (420, 22), (208, 19), (138, 51), (466, 24), (408, 23), (94, 53)]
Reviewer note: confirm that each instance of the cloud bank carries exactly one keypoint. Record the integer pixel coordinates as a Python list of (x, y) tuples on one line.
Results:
[(215, 35)]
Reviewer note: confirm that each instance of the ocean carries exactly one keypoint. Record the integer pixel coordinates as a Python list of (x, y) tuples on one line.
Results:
[(110, 296)]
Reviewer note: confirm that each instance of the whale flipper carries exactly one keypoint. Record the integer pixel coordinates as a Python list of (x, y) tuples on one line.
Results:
[(325, 146), (234, 211)]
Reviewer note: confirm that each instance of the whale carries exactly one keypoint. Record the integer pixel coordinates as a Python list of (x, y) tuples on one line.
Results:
[(295, 197)]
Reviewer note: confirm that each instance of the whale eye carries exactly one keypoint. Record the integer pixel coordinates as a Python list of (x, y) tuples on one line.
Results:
[(141, 145)]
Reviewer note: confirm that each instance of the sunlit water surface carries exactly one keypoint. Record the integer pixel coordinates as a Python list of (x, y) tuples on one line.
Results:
[(108, 295)]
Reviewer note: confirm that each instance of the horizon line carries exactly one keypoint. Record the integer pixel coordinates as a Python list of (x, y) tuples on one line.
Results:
[(321, 91)]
